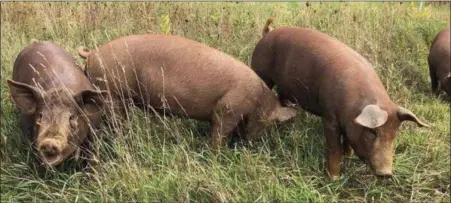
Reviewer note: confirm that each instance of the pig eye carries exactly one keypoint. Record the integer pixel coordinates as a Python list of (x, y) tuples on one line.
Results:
[(72, 117), (38, 118), (73, 121), (373, 131)]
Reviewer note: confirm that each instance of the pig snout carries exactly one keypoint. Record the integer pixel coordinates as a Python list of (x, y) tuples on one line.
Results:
[(50, 151), (384, 173), (382, 165)]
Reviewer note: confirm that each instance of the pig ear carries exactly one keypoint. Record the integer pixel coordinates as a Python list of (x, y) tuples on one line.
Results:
[(447, 85), (284, 114), (372, 116), (91, 101), (24, 96), (407, 115)]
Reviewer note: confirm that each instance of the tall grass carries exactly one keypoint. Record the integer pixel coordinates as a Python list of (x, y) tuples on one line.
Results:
[(166, 159)]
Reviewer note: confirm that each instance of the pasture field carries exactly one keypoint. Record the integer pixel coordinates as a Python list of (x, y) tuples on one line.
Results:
[(166, 159)]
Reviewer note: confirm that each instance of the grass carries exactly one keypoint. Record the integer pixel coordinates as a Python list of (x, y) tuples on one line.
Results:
[(167, 160)]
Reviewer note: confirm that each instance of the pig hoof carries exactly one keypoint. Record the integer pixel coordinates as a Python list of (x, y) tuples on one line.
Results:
[(289, 104), (348, 153), (334, 177)]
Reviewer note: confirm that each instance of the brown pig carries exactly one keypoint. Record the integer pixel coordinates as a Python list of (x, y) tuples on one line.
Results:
[(56, 100), (439, 62), (181, 76), (327, 78)]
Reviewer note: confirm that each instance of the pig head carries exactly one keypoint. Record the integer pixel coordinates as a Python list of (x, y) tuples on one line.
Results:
[(58, 105), (372, 136)]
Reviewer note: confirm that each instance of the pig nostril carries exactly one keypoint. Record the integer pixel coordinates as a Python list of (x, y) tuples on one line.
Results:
[(49, 150)]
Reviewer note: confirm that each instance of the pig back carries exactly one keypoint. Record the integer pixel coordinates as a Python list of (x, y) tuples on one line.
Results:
[(320, 73)]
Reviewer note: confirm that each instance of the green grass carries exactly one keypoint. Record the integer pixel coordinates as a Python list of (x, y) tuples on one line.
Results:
[(155, 159)]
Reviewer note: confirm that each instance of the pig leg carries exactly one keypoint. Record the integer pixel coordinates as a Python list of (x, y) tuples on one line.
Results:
[(347, 150), (261, 65), (221, 128), (255, 126), (269, 83), (434, 79), (119, 109), (267, 80), (334, 153), (238, 135), (90, 155), (224, 122), (27, 125), (115, 113)]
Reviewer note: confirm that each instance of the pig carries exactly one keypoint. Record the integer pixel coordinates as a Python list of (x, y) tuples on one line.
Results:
[(327, 78), (439, 62), (56, 101), (165, 73)]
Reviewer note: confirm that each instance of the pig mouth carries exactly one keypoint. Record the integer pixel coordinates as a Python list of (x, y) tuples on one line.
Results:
[(57, 159), (374, 171), (53, 160), (372, 167)]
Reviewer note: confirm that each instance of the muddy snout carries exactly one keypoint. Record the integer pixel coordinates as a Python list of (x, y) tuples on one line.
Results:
[(50, 151), (382, 169)]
